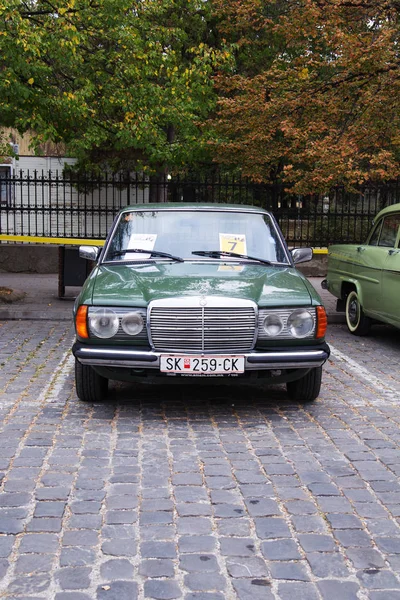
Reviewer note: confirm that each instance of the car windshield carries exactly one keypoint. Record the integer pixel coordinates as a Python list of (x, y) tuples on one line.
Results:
[(182, 233)]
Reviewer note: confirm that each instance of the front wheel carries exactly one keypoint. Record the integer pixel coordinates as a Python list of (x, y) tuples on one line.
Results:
[(90, 386), (356, 321), (307, 388)]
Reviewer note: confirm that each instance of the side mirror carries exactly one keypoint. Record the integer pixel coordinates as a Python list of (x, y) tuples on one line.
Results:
[(300, 255), (89, 252)]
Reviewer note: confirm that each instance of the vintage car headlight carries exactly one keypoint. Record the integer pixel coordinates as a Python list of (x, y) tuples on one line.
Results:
[(103, 322), (286, 323), (132, 323), (300, 323), (273, 325)]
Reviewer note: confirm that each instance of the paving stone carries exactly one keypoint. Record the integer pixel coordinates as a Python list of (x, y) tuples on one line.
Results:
[(194, 525), (227, 511), (73, 578), (117, 569), (157, 532), (198, 582), (199, 563), (258, 507), (365, 558), (300, 507), (11, 526), (6, 544), (49, 509), (39, 543), (114, 517), (378, 579), (190, 509), (343, 521), (117, 590), (237, 546), (389, 545), (14, 499), (235, 527), (77, 557), (280, 550), (299, 590), (271, 527), (315, 542), (289, 571), (256, 589), (29, 584), (196, 543), (157, 568), (44, 525), (345, 590), (162, 590), (309, 524), (353, 538), (85, 521), (251, 567), (158, 550), (122, 547)]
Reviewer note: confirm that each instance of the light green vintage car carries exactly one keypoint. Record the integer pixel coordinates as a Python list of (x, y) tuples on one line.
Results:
[(366, 277), (208, 291)]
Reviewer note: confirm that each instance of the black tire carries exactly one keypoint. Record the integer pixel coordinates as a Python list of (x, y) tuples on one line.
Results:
[(356, 321), (307, 388), (90, 386)]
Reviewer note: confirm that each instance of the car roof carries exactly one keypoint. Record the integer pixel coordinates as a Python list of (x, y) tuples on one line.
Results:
[(195, 206), (389, 209)]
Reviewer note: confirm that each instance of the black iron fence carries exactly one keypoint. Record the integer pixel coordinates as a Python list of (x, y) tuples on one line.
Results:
[(51, 204)]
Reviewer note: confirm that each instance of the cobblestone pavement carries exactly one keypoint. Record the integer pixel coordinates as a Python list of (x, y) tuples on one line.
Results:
[(198, 493)]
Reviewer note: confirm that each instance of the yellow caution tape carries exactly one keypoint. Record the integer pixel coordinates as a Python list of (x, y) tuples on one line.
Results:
[(30, 239)]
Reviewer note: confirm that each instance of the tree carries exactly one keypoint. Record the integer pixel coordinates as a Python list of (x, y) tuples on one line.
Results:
[(313, 96), (123, 83)]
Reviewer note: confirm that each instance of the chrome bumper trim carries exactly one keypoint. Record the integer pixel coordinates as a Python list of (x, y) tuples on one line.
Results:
[(119, 357)]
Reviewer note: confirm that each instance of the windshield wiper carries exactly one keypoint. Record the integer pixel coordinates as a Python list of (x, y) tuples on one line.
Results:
[(151, 252), (219, 253)]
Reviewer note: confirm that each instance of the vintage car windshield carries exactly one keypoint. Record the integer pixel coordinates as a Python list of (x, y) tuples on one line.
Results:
[(180, 233)]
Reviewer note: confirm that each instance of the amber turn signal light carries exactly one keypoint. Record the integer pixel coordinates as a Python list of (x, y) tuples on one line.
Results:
[(322, 322), (81, 322)]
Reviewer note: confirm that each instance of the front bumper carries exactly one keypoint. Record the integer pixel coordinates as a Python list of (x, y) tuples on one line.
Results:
[(304, 357)]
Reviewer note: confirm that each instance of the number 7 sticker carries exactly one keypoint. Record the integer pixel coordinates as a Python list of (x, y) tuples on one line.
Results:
[(233, 242)]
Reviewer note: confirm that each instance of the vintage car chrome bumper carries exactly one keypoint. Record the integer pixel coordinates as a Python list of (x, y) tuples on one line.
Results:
[(304, 357)]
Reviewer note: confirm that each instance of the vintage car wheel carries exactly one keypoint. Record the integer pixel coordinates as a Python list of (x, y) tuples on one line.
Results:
[(307, 388), (90, 386), (356, 321)]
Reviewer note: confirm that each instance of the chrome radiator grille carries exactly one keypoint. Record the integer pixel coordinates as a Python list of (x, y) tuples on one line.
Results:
[(197, 329)]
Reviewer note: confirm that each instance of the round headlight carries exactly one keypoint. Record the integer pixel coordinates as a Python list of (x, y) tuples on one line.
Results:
[(300, 323), (103, 322), (273, 325), (132, 323)]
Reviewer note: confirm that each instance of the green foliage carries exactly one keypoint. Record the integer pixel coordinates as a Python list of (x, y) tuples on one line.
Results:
[(122, 83)]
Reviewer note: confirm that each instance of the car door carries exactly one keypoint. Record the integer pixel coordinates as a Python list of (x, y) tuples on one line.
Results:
[(369, 261), (391, 270)]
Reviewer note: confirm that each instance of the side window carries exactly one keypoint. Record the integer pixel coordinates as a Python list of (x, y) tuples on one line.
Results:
[(389, 231), (373, 240)]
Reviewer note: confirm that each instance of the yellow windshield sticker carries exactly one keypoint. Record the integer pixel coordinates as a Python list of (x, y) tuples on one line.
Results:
[(233, 242)]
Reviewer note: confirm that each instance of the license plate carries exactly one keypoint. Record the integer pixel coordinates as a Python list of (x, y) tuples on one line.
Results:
[(202, 365)]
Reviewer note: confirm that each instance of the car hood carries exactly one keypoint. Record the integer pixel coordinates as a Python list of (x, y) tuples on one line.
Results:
[(137, 285)]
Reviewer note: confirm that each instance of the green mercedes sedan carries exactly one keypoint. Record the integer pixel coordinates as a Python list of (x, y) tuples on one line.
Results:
[(189, 290), (366, 277)]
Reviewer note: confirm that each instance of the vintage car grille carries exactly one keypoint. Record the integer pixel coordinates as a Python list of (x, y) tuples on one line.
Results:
[(197, 329)]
